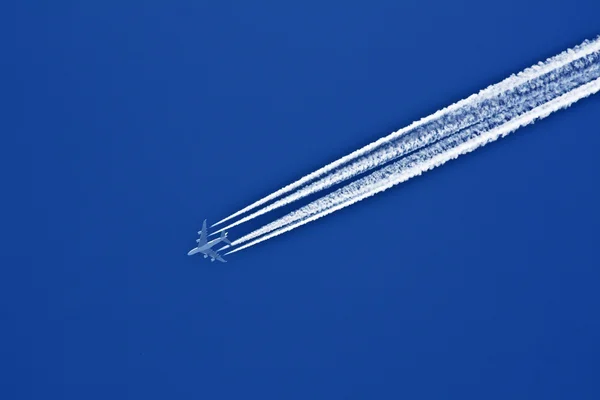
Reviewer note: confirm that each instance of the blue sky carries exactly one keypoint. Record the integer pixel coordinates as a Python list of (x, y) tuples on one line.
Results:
[(128, 124)]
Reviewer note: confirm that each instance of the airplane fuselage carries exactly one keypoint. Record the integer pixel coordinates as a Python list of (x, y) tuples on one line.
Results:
[(211, 243), (204, 247)]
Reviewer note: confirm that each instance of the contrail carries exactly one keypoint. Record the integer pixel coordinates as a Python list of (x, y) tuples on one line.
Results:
[(509, 103), (412, 165), (450, 120)]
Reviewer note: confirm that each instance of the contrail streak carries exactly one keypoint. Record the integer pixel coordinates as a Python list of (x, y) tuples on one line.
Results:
[(509, 103), (410, 166), (440, 124)]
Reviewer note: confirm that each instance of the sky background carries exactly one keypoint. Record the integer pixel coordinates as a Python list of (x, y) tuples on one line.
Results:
[(126, 123)]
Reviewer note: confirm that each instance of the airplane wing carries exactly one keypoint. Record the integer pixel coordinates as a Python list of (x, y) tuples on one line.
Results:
[(213, 254), (203, 234)]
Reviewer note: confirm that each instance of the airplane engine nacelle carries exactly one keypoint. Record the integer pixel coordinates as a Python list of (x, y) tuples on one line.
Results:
[(205, 256), (212, 260)]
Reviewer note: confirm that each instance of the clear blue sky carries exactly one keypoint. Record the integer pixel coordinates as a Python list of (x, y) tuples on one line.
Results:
[(129, 122)]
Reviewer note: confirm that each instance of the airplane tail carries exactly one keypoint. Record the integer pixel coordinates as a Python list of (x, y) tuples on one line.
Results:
[(224, 238)]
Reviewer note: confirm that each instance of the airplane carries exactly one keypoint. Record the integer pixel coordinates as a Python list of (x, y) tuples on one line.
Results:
[(205, 247)]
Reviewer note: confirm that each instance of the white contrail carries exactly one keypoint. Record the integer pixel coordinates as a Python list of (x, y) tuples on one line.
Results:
[(510, 104), (410, 166), (440, 124)]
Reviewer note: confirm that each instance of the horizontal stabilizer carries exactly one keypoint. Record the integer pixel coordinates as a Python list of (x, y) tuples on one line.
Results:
[(224, 238)]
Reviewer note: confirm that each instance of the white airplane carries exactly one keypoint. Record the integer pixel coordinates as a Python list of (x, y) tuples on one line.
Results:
[(205, 247)]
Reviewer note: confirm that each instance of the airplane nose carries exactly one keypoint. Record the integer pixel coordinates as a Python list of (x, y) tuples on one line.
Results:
[(190, 252)]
